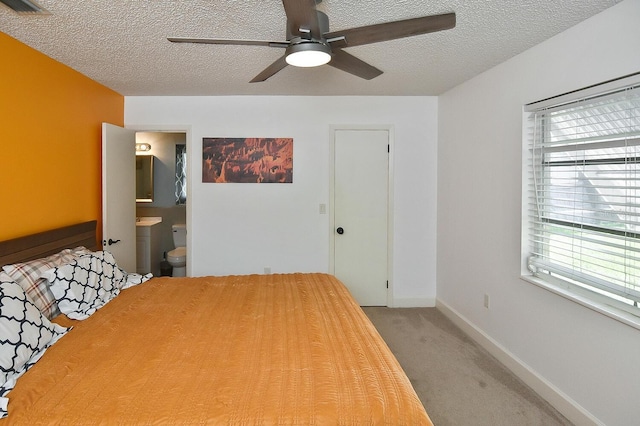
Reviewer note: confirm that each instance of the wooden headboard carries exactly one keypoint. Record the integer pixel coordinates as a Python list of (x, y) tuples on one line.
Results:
[(48, 242)]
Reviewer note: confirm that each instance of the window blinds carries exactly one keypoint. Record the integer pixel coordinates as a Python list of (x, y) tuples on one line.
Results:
[(584, 185)]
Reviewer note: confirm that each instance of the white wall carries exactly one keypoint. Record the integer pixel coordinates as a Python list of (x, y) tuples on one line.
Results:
[(589, 359), (241, 228)]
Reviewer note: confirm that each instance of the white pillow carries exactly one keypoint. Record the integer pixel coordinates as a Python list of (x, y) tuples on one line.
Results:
[(25, 335), (86, 284), (134, 279)]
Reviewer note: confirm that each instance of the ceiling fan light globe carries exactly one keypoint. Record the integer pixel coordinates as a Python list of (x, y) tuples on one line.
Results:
[(308, 54), (308, 59)]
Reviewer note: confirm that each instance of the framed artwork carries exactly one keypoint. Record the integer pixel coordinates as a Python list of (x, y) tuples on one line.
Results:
[(247, 160)]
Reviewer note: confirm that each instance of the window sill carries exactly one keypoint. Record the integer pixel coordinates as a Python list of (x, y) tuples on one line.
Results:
[(583, 298)]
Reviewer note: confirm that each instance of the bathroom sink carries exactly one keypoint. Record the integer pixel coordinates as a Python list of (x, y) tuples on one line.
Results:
[(148, 220)]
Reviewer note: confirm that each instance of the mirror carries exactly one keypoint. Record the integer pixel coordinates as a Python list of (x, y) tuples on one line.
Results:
[(144, 178)]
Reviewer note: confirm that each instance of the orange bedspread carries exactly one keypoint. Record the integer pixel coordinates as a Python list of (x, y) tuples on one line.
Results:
[(263, 349)]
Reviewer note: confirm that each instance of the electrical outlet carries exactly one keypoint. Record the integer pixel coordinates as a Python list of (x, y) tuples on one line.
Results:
[(267, 270), (486, 301), (323, 209)]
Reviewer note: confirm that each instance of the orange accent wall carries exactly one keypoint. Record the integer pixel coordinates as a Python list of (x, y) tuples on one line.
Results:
[(50, 141)]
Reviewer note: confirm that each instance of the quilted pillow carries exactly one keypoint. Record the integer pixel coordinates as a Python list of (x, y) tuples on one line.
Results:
[(25, 335), (86, 284), (27, 275)]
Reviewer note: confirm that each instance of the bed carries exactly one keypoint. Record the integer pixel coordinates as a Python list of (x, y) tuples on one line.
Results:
[(289, 349)]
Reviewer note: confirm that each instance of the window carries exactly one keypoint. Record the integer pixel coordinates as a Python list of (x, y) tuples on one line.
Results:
[(584, 196), (181, 174)]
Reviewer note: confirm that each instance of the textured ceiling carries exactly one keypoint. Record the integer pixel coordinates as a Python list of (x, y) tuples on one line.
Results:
[(122, 43)]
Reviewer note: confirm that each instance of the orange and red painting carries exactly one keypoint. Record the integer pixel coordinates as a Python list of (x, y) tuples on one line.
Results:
[(247, 160)]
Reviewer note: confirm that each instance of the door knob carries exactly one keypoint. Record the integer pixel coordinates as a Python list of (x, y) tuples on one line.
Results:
[(340, 230), (111, 241)]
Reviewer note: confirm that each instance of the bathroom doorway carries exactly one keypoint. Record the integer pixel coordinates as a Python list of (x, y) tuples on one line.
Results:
[(168, 198)]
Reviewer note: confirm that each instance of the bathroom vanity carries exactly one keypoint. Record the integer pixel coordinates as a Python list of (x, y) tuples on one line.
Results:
[(148, 245)]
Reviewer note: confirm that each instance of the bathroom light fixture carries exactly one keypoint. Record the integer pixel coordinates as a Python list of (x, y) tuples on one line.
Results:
[(308, 54), (143, 147)]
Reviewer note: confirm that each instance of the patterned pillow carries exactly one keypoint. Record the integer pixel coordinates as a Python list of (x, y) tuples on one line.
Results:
[(86, 284), (27, 275), (25, 335), (134, 279)]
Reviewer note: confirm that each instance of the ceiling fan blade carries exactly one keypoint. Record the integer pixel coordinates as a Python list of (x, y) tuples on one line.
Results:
[(349, 63), (396, 29), (282, 44), (279, 64), (302, 14)]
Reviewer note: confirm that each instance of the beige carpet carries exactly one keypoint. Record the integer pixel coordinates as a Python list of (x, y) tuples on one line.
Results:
[(458, 382)]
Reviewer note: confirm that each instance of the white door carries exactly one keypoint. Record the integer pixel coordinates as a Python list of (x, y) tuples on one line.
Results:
[(360, 207), (119, 195)]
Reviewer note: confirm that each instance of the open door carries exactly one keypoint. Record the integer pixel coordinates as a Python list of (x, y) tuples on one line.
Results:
[(119, 194)]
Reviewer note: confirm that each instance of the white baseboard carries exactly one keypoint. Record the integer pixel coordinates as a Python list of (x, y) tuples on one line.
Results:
[(424, 302), (558, 399)]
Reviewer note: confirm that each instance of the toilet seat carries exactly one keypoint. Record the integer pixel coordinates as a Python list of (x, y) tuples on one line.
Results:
[(177, 256)]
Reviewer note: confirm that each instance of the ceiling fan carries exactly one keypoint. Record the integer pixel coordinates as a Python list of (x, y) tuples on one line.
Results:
[(310, 43)]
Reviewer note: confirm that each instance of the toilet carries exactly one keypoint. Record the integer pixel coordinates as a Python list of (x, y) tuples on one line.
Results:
[(177, 257)]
